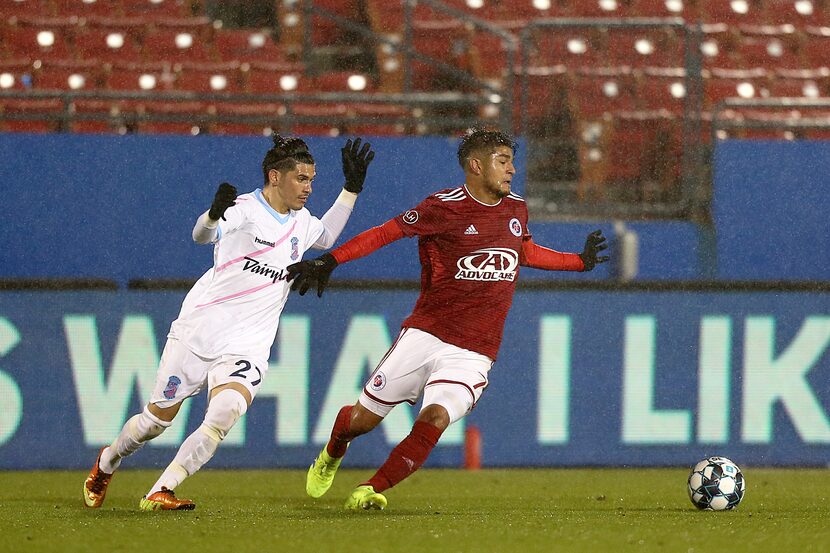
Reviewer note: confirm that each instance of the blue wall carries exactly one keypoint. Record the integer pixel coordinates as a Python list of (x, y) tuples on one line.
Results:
[(657, 379), (771, 207), (123, 207)]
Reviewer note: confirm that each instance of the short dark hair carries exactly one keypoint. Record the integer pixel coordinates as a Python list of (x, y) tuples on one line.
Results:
[(285, 155), (479, 138)]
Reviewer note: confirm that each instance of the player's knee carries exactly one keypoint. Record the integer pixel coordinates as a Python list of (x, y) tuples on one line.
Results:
[(444, 410), (224, 409), (146, 426)]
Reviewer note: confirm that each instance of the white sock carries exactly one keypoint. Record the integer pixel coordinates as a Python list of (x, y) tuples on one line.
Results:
[(136, 432), (223, 411)]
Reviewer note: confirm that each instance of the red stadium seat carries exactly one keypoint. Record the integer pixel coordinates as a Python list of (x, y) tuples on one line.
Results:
[(68, 75), (798, 12), (816, 47), (210, 77), (175, 46), (34, 42), (89, 8), (245, 119), (266, 81), (158, 8), (636, 48), (172, 117), (663, 89), (138, 77), (768, 53), (731, 12), (664, 8), (30, 114), (247, 45), (16, 74), (108, 45), (594, 95), (92, 116), (572, 48)]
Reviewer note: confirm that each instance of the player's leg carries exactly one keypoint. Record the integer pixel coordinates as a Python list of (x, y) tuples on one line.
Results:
[(398, 377), (452, 390), (226, 406), (352, 421), (233, 382), (172, 386)]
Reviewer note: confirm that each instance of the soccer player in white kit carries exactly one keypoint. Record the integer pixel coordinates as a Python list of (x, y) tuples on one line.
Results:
[(222, 338)]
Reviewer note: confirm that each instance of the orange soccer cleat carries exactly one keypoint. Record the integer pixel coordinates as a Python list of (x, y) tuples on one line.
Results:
[(165, 500), (95, 486)]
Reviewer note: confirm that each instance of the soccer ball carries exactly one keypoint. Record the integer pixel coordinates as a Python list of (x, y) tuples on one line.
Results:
[(716, 484)]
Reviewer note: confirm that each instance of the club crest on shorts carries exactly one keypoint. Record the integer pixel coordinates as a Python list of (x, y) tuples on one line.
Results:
[(378, 381), (410, 217), (515, 227), (172, 387)]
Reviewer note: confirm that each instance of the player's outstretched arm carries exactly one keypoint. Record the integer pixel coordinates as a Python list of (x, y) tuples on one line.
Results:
[(205, 230), (356, 161), (307, 272), (594, 244)]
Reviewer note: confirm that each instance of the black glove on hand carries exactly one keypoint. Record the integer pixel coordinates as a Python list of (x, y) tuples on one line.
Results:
[(594, 244), (306, 273), (355, 163), (225, 198)]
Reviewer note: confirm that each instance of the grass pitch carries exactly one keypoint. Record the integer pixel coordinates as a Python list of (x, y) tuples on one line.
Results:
[(442, 511)]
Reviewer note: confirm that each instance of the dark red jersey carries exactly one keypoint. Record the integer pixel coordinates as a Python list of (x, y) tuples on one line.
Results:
[(470, 255)]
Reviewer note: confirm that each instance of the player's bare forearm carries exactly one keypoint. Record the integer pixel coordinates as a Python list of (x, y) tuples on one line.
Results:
[(368, 241)]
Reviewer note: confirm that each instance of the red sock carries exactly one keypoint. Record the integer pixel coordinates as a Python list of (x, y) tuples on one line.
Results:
[(407, 457), (340, 436)]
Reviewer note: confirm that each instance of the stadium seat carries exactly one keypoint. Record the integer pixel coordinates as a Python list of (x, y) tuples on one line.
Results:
[(816, 47), (572, 48), (246, 45), (173, 117), (89, 8), (108, 45), (723, 84), (158, 8), (662, 89), (733, 12), (636, 48), (35, 42), (92, 116), (246, 119), (325, 119), (173, 45), (666, 8), (266, 81), (16, 74), (798, 12), (489, 56), (593, 95), (210, 77), (68, 75), (138, 77), (36, 115), (768, 53)]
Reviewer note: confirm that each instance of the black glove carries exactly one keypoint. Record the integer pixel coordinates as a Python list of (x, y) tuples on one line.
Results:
[(594, 244), (306, 273), (225, 198), (355, 163)]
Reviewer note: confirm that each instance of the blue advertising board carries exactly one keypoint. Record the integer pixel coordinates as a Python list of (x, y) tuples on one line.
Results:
[(583, 378)]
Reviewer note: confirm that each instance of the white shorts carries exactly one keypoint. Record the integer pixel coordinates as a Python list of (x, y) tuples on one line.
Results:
[(182, 373), (419, 363)]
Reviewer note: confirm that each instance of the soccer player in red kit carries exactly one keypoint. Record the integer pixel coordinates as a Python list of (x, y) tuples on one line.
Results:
[(472, 239)]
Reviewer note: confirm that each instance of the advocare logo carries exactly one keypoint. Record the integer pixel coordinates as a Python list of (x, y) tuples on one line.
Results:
[(488, 264)]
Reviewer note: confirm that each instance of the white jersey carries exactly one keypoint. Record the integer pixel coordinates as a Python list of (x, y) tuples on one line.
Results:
[(235, 307)]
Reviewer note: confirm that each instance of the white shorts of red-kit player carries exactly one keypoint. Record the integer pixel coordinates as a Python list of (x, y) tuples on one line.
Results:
[(419, 363)]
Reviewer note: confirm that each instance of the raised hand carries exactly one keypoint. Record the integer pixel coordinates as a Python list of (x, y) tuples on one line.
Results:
[(225, 198), (355, 162), (305, 273), (594, 243)]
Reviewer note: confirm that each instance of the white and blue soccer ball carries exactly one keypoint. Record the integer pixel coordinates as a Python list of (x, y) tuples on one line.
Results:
[(716, 484)]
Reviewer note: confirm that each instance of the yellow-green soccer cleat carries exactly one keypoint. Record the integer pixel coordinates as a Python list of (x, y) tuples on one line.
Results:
[(366, 498), (321, 474)]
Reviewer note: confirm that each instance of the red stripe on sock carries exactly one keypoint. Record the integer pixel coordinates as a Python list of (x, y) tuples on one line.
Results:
[(407, 457)]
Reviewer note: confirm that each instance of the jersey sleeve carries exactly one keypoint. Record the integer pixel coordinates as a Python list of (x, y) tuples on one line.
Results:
[(427, 218), (314, 231), (234, 217)]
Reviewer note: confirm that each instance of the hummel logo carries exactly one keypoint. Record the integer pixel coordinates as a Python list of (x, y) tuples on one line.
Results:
[(471, 230)]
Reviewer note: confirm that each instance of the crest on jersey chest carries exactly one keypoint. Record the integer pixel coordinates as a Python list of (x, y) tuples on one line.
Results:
[(295, 248)]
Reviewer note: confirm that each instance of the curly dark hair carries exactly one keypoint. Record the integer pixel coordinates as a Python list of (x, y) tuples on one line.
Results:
[(479, 138), (285, 155)]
